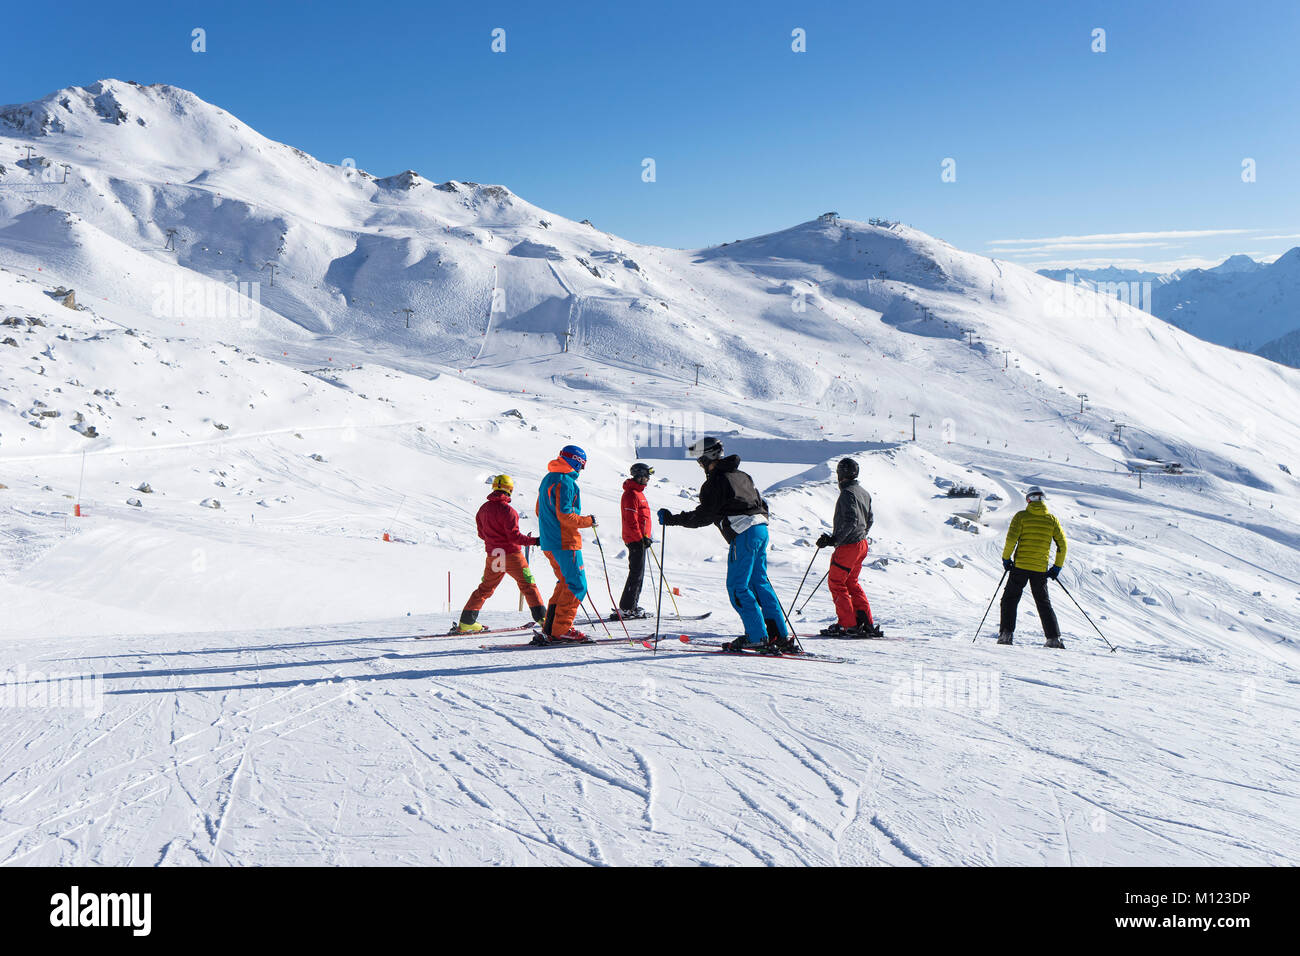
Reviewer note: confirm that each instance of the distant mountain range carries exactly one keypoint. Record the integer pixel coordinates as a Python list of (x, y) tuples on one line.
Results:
[(1240, 303)]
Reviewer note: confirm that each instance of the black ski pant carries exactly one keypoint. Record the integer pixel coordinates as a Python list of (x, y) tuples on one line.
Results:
[(635, 576), (1037, 581)]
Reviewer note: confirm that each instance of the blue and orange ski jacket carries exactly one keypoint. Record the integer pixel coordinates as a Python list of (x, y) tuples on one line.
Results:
[(559, 509)]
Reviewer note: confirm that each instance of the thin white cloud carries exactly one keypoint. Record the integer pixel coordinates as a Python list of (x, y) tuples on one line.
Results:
[(1081, 246), (1295, 235), (1122, 237)]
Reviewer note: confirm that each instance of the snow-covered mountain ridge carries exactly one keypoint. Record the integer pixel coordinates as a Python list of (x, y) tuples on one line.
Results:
[(1240, 303)]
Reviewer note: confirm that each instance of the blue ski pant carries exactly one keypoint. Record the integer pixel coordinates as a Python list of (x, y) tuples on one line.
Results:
[(570, 590), (750, 591)]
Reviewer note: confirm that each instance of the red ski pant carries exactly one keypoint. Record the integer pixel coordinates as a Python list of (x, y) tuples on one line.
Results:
[(499, 564), (846, 563)]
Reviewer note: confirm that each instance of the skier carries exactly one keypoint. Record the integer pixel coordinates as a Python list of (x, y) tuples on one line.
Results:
[(638, 538), (729, 500), (498, 526), (848, 535), (1030, 537), (559, 512)]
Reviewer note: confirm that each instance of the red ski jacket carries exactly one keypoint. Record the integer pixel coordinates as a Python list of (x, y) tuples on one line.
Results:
[(636, 512), (498, 525)]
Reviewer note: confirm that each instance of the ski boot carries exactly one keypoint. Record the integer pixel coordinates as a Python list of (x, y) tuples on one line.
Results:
[(540, 639), (574, 636), (867, 627), (781, 645), (539, 614), (1004, 638), (1055, 642), (468, 624), (636, 614), (741, 643), (836, 631)]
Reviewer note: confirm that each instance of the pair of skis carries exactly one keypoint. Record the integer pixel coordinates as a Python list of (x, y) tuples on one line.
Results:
[(721, 647), (703, 646), (489, 630), (530, 625)]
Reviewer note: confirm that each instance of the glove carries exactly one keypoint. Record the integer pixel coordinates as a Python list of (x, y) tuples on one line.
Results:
[(533, 540), (647, 542), (1008, 564), (664, 515), (592, 519), (1054, 572), (824, 541)]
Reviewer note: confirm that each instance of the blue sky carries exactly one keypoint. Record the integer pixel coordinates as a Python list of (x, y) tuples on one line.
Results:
[(1132, 156)]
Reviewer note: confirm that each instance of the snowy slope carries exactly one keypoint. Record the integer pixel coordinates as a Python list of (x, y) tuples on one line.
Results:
[(265, 702)]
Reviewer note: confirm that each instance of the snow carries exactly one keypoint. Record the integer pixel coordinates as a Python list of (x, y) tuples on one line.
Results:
[(263, 700), (1240, 303), (351, 745)]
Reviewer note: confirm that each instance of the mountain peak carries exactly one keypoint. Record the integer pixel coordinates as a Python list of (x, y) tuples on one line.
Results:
[(1237, 263), (1289, 258), (112, 101)]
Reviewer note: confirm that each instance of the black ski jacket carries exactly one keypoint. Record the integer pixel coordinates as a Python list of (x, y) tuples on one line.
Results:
[(853, 516), (726, 492)]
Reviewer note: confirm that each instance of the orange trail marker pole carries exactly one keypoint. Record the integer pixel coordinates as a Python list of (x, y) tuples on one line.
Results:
[(80, 481)]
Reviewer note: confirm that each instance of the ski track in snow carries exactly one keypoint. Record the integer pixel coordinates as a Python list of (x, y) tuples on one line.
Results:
[(609, 755)]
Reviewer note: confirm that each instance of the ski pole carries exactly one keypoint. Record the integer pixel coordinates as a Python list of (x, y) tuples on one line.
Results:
[(598, 617), (528, 549), (1112, 647), (989, 608), (676, 609), (814, 591), (608, 587), (659, 602), (803, 581), (793, 633)]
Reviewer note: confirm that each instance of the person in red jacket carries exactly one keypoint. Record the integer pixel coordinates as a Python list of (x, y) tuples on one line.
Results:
[(498, 526), (638, 538)]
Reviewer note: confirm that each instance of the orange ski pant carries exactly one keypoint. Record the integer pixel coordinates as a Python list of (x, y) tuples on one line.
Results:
[(499, 564)]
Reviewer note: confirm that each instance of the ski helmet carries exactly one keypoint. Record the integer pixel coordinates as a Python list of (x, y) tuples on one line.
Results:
[(503, 483), (705, 450), (641, 471), (575, 456), (846, 470), (1035, 494)]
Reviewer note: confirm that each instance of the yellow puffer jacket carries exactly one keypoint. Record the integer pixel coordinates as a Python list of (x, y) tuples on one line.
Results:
[(1030, 537)]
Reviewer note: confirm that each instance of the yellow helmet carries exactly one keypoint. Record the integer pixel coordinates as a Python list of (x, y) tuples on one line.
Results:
[(503, 483)]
